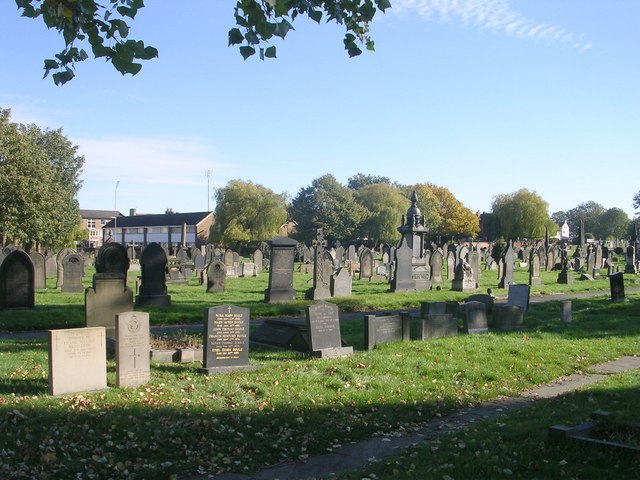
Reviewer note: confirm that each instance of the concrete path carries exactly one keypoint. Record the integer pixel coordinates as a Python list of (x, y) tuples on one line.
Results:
[(357, 455)]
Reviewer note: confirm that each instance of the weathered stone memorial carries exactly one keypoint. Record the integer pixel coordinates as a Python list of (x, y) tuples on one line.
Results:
[(132, 349), (402, 280), (72, 273), (39, 270), (258, 260), (341, 283), (226, 340), (324, 331), (17, 281), (437, 325), (507, 317), (507, 274), (280, 287), (519, 295), (366, 264), (322, 269), (385, 329), (474, 318), (464, 280), (216, 277), (153, 285), (77, 360), (616, 285)]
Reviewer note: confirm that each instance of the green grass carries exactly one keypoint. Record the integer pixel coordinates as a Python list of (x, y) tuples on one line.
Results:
[(295, 406), (66, 310)]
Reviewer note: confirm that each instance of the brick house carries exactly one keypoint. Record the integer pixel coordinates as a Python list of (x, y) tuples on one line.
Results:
[(166, 228), (94, 221)]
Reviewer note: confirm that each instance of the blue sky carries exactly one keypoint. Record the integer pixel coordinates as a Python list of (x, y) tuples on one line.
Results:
[(483, 97)]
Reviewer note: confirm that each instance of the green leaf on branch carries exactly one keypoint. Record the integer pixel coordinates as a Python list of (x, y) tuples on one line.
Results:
[(235, 37), (270, 52), (283, 28), (246, 51), (315, 15), (383, 4)]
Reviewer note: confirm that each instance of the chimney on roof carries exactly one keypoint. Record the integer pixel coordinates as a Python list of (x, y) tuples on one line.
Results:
[(132, 212), (169, 210)]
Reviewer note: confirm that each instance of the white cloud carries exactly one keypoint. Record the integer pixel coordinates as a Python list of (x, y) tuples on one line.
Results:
[(150, 161), (492, 15)]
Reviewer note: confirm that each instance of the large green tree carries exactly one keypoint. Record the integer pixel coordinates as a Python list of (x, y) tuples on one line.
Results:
[(104, 28), (385, 204), (589, 212), (456, 220), (39, 181), (247, 213), (329, 205), (613, 223), (521, 214)]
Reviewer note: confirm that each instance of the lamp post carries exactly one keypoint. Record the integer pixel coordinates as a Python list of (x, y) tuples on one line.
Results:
[(208, 175), (115, 209)]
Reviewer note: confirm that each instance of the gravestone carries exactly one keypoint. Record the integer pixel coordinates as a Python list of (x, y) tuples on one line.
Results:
[(474, 318), (341, 283), (386, 328), (59, 267), (507, 274), (322, 269), (519, 295), (112, 258), (216, 277), (432, 308), (153, 285), (630, 265), (565, 276), (198, 262), (258, 258), (280, 287), (551, 259), (228, 262), (366, 264), (107, 297), (451, 265), (402, 280), (226, 340), (39, 270), (566, 311), (17, 287), (488, 301), (437, 325), (248, 269), (473, 258), (464, 280), (616, 285), (436, 267), (324, 331), (351, 252), (77, 360), (72, 273), (338, 258), (507, 317), (282, 334), (534, 268), (132, 349)]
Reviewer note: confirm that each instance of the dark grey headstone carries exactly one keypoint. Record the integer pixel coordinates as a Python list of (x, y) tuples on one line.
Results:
[(226, 339), (258, 258), (474, 318), (366, 264), (282, 334), (437, 325), (199, 262), (281, 270), (216, 277), (483, 298), (324, 331), (436, 267), (566, 311), (384, 329), (108, 296), (153, 286), (432, 308), (616, 285), (507, 273), (421, 276), (507, 317), (17, 287), (402, 279)]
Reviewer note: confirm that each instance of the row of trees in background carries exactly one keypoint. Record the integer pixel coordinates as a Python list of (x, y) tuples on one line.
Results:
[(39, 181), (369, 209)]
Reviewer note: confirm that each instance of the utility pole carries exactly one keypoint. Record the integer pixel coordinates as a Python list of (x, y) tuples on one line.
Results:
[(115, 208), (208, 175)]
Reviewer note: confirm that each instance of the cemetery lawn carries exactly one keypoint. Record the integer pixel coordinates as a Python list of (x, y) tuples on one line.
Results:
[(294, 406), (517, 445), (55, 309)]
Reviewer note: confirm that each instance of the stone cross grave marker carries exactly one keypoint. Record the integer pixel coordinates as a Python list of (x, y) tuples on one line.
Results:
[(132, 349), (77, 360)]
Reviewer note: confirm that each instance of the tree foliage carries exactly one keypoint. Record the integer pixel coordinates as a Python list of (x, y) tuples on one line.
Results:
[(39, 181), (589, 212), (521, 214), (385, 204), (360, 180), (636, 200), (456, 220), (329, 205), (247, 212), (613, 223), (104, 27)]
